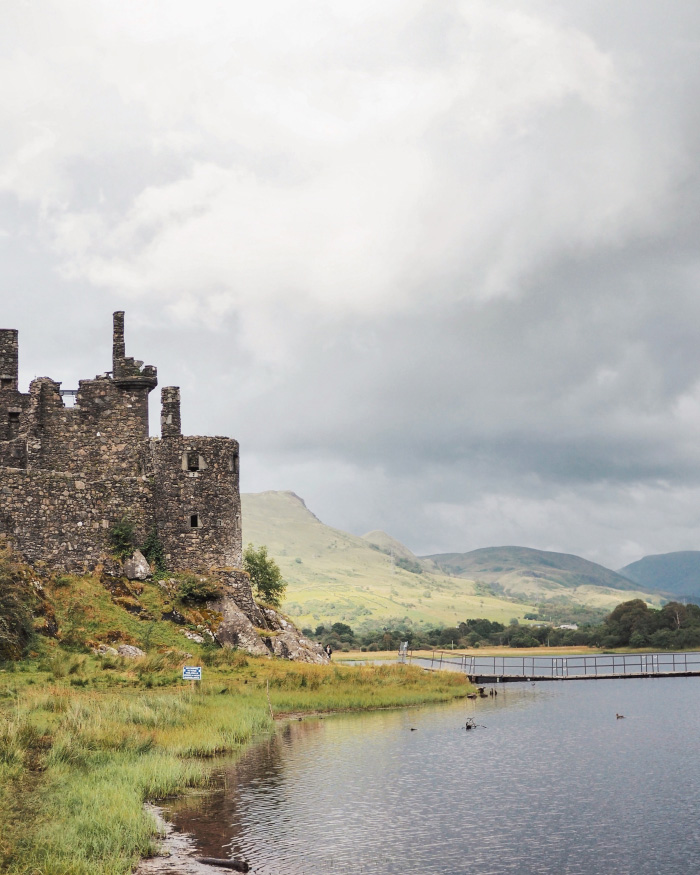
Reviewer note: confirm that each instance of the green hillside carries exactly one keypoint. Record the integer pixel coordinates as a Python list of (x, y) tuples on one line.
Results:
[(677, 573), (333, 575), (538, 575)]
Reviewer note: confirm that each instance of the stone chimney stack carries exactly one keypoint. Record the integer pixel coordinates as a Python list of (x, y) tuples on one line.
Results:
[(9, 358), (170, 425), (118, 345)]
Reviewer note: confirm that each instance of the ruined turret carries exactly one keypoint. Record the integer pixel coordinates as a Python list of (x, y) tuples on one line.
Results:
[(70, 472)]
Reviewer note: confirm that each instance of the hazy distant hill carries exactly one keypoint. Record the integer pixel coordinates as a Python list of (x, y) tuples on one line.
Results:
[(677, 573), (333, 575), (539, 575)]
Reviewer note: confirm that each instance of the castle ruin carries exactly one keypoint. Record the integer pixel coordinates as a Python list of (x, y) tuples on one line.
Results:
[(68, 474)]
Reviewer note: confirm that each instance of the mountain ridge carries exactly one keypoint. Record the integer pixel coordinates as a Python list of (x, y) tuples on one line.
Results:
[(334, 575), (677, 572)]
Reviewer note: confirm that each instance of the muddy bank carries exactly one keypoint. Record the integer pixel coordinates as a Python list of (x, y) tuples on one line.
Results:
[(177, 854)]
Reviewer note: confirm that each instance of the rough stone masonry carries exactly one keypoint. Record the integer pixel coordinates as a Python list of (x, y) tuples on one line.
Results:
[(69, 473)]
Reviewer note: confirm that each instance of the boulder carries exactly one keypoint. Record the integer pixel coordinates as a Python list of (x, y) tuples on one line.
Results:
[(105, 650), (236, 630), (136, 568), (174, 616), (244, 624), (130, 651), (193, 636)]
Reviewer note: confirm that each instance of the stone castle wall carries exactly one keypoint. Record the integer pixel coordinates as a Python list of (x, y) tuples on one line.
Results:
[(69, 473), (197, 502), (60, 519)]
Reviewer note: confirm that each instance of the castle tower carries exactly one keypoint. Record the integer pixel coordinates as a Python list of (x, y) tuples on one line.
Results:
[(9, 358), (170, 425), (134, 378)]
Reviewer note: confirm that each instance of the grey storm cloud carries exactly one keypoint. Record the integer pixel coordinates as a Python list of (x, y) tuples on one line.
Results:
[(434, 263)]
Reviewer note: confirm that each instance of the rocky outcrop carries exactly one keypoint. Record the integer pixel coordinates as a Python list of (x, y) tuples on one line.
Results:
[(289, 643), (244, 624), (236, 629), (232, 619)]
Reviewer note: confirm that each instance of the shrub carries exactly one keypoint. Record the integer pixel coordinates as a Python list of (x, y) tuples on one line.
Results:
[(154, 551), (195, 590), (122, 538)]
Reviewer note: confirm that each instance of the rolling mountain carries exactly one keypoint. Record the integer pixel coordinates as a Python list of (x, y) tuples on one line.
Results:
[(677, 573), (540, 575), (333, 575), (519, 568)]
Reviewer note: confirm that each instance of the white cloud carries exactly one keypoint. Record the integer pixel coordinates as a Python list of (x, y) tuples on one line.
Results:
[(426, 242), (319, 162)]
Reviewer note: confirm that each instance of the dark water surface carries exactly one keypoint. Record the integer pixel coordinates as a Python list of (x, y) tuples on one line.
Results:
[(554, 783)]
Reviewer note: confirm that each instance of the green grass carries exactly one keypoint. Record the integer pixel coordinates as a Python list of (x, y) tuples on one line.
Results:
[(85, 741)]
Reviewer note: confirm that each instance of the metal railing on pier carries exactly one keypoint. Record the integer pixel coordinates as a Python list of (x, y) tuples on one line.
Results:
[(580, 667)]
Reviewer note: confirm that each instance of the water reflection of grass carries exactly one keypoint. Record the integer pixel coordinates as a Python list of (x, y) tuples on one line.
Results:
[(83, 742)]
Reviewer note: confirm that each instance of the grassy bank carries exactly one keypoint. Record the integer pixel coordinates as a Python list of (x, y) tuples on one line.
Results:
[(84, 741)]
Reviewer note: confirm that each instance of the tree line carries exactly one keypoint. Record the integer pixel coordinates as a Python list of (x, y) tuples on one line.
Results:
[(674, 626)]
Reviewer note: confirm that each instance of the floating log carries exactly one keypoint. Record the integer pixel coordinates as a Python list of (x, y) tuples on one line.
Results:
[(237, 865)]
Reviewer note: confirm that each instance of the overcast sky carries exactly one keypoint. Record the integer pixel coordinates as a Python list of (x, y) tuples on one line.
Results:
[(434, 264)]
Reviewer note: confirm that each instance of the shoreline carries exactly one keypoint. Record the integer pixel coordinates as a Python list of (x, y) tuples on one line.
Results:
[(177, 853), (176, 850), (100, 740)]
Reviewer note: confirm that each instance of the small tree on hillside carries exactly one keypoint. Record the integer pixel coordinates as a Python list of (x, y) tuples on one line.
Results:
[(265, 575)]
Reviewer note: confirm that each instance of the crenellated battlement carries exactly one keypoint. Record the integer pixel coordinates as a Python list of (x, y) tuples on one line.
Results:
[(69, 473)]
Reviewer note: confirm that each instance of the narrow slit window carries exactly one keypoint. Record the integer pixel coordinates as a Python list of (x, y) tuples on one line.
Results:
[(195, 521), (13, 424)]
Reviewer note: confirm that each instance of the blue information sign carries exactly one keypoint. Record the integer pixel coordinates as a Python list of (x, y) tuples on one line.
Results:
[(191, 672)]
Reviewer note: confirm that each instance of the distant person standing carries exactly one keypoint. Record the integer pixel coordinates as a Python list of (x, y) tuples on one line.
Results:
[(329, 650)]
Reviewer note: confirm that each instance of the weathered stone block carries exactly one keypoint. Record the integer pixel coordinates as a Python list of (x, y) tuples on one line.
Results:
[(137, 567)]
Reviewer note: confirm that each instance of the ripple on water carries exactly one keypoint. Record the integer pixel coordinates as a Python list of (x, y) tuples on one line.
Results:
[(553, 784)]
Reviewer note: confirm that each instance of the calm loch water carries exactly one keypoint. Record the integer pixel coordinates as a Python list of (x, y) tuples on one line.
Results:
[(553, 783)]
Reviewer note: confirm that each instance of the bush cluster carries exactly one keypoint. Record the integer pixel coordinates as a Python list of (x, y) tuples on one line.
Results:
[(193, 590)]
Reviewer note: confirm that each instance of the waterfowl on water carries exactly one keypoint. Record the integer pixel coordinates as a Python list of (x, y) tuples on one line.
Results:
[(620, 716)]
